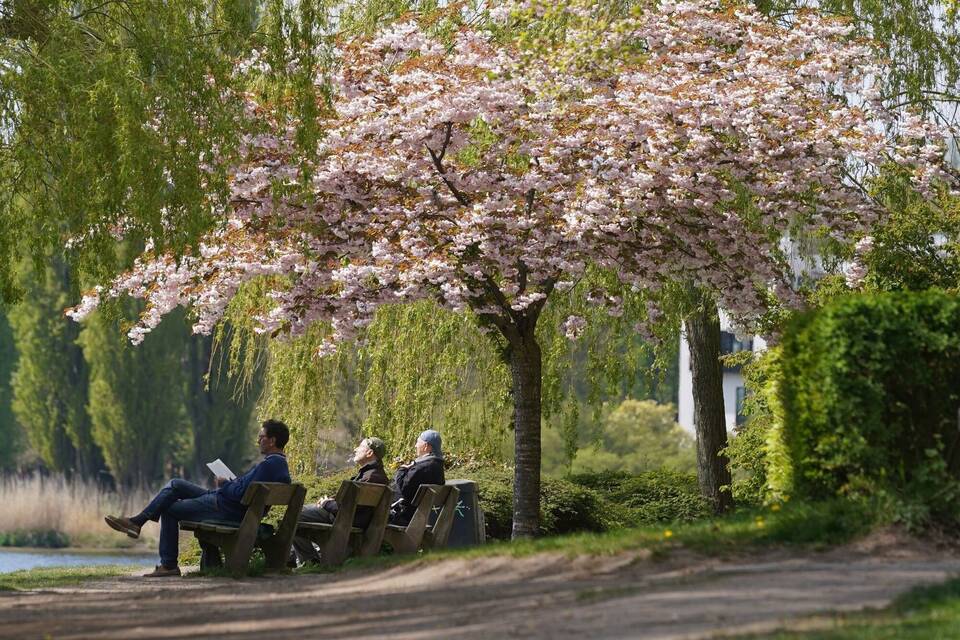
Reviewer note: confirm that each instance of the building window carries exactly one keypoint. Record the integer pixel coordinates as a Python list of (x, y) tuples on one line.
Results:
[(741, 396), (730, 344)]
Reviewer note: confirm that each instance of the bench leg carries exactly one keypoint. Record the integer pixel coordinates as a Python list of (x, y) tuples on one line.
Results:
[(210, 556), (238, 555), (276, 554)]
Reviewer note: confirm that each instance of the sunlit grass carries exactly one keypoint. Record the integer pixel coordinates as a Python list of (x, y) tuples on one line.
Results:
[(47, 577), (925, 613)]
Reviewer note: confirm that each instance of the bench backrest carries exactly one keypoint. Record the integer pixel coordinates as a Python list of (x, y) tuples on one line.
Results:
[(350, 496), (446, 499), (365, 494), (422, 492), (276, 493)]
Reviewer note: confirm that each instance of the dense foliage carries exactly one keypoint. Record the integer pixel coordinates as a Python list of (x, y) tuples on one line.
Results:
[(871, 394), (762, 471)]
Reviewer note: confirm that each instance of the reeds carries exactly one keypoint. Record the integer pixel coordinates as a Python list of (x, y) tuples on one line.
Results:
[(73, 508)]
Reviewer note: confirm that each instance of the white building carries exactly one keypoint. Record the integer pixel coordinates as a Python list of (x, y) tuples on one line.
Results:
[(733, 386)]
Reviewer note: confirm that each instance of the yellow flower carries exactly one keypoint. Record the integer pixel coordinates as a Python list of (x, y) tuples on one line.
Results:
[(668, 534), (775, 507)]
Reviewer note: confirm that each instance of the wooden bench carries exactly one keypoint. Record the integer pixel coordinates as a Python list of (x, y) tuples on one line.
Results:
[(418, 533), (437, 534), (238, 540), (338, 538)]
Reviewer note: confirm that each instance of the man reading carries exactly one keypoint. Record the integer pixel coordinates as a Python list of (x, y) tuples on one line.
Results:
[(182, 500)]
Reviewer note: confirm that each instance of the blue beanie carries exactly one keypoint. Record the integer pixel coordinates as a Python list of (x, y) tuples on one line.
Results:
[(432, 438)]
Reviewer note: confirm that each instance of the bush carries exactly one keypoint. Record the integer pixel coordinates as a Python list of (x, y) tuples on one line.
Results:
[(49, 539), (565, 507), (758, 457), (871, 390), (646, 498)]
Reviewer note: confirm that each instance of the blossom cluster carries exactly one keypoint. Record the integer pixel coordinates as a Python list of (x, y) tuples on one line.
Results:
[(474, 173)]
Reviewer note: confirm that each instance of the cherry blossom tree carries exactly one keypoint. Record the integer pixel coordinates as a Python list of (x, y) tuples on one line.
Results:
[(676, 144)]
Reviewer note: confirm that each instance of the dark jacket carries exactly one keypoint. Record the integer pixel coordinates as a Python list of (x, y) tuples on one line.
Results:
[(272, 468), (372, 473), (427, 469)]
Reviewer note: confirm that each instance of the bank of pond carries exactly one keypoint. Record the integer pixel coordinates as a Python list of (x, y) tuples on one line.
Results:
[(12, 559)]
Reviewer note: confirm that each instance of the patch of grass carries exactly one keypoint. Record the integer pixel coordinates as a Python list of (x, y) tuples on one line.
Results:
[(925, 613), (816, 525), (47, 577)]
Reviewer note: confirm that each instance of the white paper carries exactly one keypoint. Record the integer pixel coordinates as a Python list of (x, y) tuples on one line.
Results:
[(221, 470)]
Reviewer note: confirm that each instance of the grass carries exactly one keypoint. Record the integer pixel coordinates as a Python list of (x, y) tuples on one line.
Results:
[(925, 613), (53, 511), (47, 577), (809, 525)]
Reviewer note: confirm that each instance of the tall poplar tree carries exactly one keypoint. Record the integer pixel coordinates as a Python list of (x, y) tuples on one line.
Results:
[(51, 377), (136, 397), (10, 436)]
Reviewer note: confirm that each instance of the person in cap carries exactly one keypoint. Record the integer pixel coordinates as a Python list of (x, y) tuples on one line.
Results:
[(427, 468), (369, 457)]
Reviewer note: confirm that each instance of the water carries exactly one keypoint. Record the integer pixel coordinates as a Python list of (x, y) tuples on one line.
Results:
[(16, 559)]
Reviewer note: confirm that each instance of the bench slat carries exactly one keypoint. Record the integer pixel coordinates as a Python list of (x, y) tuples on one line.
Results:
[(207, 526), (322, 526)]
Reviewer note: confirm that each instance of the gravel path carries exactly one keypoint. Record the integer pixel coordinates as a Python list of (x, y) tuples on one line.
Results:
[(545, 596)]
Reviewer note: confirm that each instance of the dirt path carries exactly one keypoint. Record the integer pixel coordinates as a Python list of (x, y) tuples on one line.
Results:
[(537, 597)]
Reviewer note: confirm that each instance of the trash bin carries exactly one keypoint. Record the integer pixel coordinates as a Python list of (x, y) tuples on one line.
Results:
[(468, 525)]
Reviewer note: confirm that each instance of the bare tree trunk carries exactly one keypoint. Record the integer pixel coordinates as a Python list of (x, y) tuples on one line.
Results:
[(703, 336), (525, 368)]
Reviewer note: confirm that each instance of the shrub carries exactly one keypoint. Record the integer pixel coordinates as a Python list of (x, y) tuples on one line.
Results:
[(48, 538), (565, 507), (758, 458), (871, 390), (653, 496)]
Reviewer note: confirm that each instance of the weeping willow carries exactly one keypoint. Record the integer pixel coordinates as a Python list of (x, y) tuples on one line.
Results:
[(418, 366)]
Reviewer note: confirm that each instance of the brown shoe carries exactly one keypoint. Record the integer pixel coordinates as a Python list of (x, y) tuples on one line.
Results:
[(161, 571), (123, 525)]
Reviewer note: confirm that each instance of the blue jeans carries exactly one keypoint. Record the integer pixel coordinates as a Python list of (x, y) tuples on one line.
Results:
[(181, 500)]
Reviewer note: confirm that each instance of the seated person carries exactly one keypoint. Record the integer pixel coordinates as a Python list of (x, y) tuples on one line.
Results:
[(181, 500), (427, 468), (369, 457)]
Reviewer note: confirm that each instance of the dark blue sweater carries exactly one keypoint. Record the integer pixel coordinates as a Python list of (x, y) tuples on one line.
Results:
[(272, 468)]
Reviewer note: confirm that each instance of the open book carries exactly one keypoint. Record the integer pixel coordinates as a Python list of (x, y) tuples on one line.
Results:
[(221, 470)]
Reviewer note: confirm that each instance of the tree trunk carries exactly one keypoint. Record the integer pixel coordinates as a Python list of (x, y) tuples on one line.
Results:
[(525, 369), (703, 336)]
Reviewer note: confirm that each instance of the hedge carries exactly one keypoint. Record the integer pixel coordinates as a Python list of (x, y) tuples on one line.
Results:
[(870, 393)]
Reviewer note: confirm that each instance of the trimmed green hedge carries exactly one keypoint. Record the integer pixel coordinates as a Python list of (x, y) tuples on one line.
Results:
[(871, 391)]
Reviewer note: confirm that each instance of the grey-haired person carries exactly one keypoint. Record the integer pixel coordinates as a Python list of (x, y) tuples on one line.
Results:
[(426, 468), (369, 457)]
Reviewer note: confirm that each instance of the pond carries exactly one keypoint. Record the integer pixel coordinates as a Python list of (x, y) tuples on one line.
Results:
[(16, 559)]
